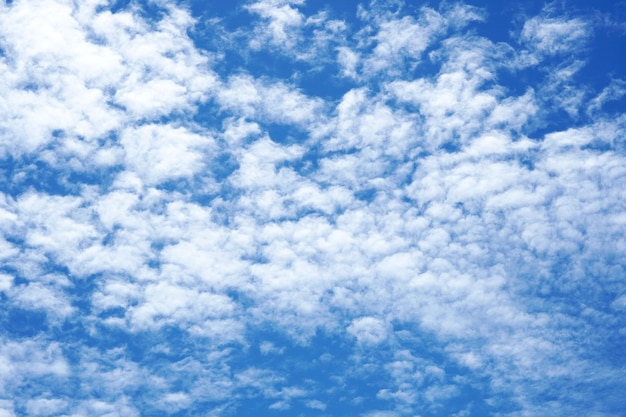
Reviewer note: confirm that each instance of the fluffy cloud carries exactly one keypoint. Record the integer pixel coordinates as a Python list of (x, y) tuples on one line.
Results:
[(187, 232)]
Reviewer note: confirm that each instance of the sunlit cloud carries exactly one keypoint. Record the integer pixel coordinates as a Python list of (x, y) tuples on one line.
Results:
[(371, 209)]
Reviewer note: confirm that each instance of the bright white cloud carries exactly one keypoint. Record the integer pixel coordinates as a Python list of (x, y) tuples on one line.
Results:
[(368, 330), (553, 36), (188, 226), (159, 153), (282, 20)]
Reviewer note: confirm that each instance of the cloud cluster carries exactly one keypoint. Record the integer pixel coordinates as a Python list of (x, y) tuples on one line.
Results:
[(181, 235)]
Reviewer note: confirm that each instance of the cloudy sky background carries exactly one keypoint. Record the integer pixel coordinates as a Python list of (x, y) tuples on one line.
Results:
[(291, 208)]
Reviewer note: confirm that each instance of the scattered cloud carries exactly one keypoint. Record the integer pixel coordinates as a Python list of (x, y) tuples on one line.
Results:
[(552, 36), (188, 231)]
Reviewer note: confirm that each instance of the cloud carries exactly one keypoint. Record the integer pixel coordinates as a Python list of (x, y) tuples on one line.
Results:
[(552, 36), (613, 92), (267, 348), (108, 60), (6, 408), (403, 37), (271, 102), (159, 153), (192, 233), (283, 28), (31, 360), (368, 330), (45, 407), (283, 21), (316, 405)]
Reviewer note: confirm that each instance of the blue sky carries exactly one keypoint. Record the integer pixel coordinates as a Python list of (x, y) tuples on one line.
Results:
[(311, 208)]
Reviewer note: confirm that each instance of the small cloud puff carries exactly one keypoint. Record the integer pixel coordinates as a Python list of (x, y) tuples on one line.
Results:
[(369, 330)]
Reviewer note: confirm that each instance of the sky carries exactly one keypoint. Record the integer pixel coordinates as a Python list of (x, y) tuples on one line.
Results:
[(312, 208)]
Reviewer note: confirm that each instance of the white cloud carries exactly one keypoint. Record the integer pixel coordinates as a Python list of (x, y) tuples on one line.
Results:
[(619, 303), (6, 281), (368, 330), (283, 28), (554, 35), (45, 407), (269, 101), (23, 360), (55, 224), (424, 201), (282, 20), (380, 413), (37, 296), (348, 61), (159, 152), (166, 304), (104, 408), (267, 348), (400, 38), (316, 405), (107, 60), (6, 408), (613, 92), (175, 401)]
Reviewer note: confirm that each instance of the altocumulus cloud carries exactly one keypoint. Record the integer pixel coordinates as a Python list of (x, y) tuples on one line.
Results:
[(288, 207)]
